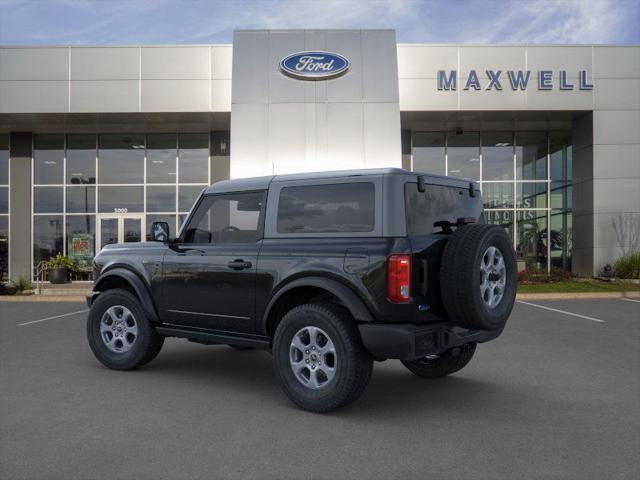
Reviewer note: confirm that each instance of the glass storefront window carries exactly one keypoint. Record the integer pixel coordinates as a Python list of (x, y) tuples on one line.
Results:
[(81, 243), (561, 195), (428, 153), (47, 200), (121, 159), (4, 159), (81, 199), (560, 156), (531, 155), (463, 155), (531, 241), (81, 159), (161, 199), (497, 195), (161, 158), (48, 159), (78, 175), (561, 239), (531, 195), (4, 206), (4, 200), (497, 156), (193, 157), (47, 237), (4, 246), (187, 196), (120, 199)]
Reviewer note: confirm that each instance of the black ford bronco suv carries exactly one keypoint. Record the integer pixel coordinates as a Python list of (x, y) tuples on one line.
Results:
[(329, 271)]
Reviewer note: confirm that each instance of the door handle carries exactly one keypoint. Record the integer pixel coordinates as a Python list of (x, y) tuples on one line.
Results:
[(239, 264)]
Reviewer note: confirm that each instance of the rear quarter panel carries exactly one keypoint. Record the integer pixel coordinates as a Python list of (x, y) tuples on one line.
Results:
[(359, 263)]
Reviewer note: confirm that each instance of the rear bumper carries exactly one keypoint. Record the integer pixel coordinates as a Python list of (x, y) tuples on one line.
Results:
[(408, 342)]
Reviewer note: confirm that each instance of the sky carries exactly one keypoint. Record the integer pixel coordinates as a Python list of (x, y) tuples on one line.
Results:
[(121, 22)]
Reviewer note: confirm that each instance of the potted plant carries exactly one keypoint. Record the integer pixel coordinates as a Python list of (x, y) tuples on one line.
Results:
[(59, 268)]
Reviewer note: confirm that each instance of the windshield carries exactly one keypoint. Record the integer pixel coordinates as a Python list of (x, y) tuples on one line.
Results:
[(427, 211)]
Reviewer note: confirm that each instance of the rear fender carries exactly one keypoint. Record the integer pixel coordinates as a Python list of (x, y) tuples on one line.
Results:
[(346, 296)]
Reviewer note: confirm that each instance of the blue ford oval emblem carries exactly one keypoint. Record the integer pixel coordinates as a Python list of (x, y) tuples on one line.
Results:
[(314, 65)]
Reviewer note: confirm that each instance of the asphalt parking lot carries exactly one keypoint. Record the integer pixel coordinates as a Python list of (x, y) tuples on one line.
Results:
[(556, 396)]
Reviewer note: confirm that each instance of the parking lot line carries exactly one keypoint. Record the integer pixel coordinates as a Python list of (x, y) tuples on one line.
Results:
[(562, 311), (630, 300), (52, 318)]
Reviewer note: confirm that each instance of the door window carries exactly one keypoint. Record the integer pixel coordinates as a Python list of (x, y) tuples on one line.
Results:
[(230, 218)]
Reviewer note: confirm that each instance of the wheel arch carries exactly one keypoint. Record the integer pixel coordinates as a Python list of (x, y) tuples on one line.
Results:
[(295, 292), (124, 278)]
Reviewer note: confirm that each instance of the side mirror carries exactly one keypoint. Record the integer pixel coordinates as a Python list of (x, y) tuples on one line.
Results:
[(160, 232)]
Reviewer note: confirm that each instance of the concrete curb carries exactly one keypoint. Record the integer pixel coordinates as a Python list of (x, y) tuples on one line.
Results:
[(43, 298), (576, 295)]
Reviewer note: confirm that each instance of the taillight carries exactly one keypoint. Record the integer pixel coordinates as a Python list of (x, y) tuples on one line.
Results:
[(399, 278)]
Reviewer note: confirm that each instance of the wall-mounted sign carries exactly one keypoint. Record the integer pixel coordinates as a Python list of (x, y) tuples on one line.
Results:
[(314, 65), (81, 248), (516, 79)]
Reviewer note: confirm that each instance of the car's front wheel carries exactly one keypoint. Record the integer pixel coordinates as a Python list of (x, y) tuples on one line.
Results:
[(319, 358), (119, 333)]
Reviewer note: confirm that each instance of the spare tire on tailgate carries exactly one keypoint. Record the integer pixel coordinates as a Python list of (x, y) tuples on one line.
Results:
[(478, 277)]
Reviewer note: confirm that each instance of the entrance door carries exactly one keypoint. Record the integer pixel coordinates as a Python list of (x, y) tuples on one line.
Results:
[(119, 229)]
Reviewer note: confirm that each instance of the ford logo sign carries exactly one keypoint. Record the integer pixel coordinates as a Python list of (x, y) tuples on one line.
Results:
[(314, 65)]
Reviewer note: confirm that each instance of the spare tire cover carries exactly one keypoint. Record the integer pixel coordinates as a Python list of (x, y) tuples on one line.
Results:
[(478, 276)]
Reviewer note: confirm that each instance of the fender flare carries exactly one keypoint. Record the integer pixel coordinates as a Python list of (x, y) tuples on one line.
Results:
[(141, 289), (346, 295)]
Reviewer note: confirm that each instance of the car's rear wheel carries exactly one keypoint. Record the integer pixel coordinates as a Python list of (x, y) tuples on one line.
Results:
[(319, 358), (119, 333), (442, 365)]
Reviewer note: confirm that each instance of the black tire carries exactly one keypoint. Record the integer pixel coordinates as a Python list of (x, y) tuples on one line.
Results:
[(353, 364), (146, 344), (460, 277), (446, 364)]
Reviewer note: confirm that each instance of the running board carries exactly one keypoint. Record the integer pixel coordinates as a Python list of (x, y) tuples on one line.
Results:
[(216, 336)]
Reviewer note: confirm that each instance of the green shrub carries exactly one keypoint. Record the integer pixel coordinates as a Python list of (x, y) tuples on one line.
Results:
[(628, 266), (62, 261), (8, 288), (23, 283)]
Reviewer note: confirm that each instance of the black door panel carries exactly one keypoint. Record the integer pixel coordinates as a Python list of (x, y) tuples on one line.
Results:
[(209, 275), (201, 290)]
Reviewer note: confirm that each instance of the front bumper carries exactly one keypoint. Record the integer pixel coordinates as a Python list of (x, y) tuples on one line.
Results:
[(406, 341)]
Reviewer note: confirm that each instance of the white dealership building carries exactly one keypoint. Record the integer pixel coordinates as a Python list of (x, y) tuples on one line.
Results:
[(96, 142)]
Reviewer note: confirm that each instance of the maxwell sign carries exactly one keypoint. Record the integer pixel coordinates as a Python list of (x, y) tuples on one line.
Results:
[(314, 65), (516, 79)]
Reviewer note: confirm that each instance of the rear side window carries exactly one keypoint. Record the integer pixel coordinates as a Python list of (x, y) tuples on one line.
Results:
[(343, 207), (438, 204)]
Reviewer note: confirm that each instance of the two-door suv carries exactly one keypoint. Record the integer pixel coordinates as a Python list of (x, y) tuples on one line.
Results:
[(329, 271)]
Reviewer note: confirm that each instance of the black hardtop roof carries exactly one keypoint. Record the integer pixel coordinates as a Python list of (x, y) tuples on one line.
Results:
[(262, 183)]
